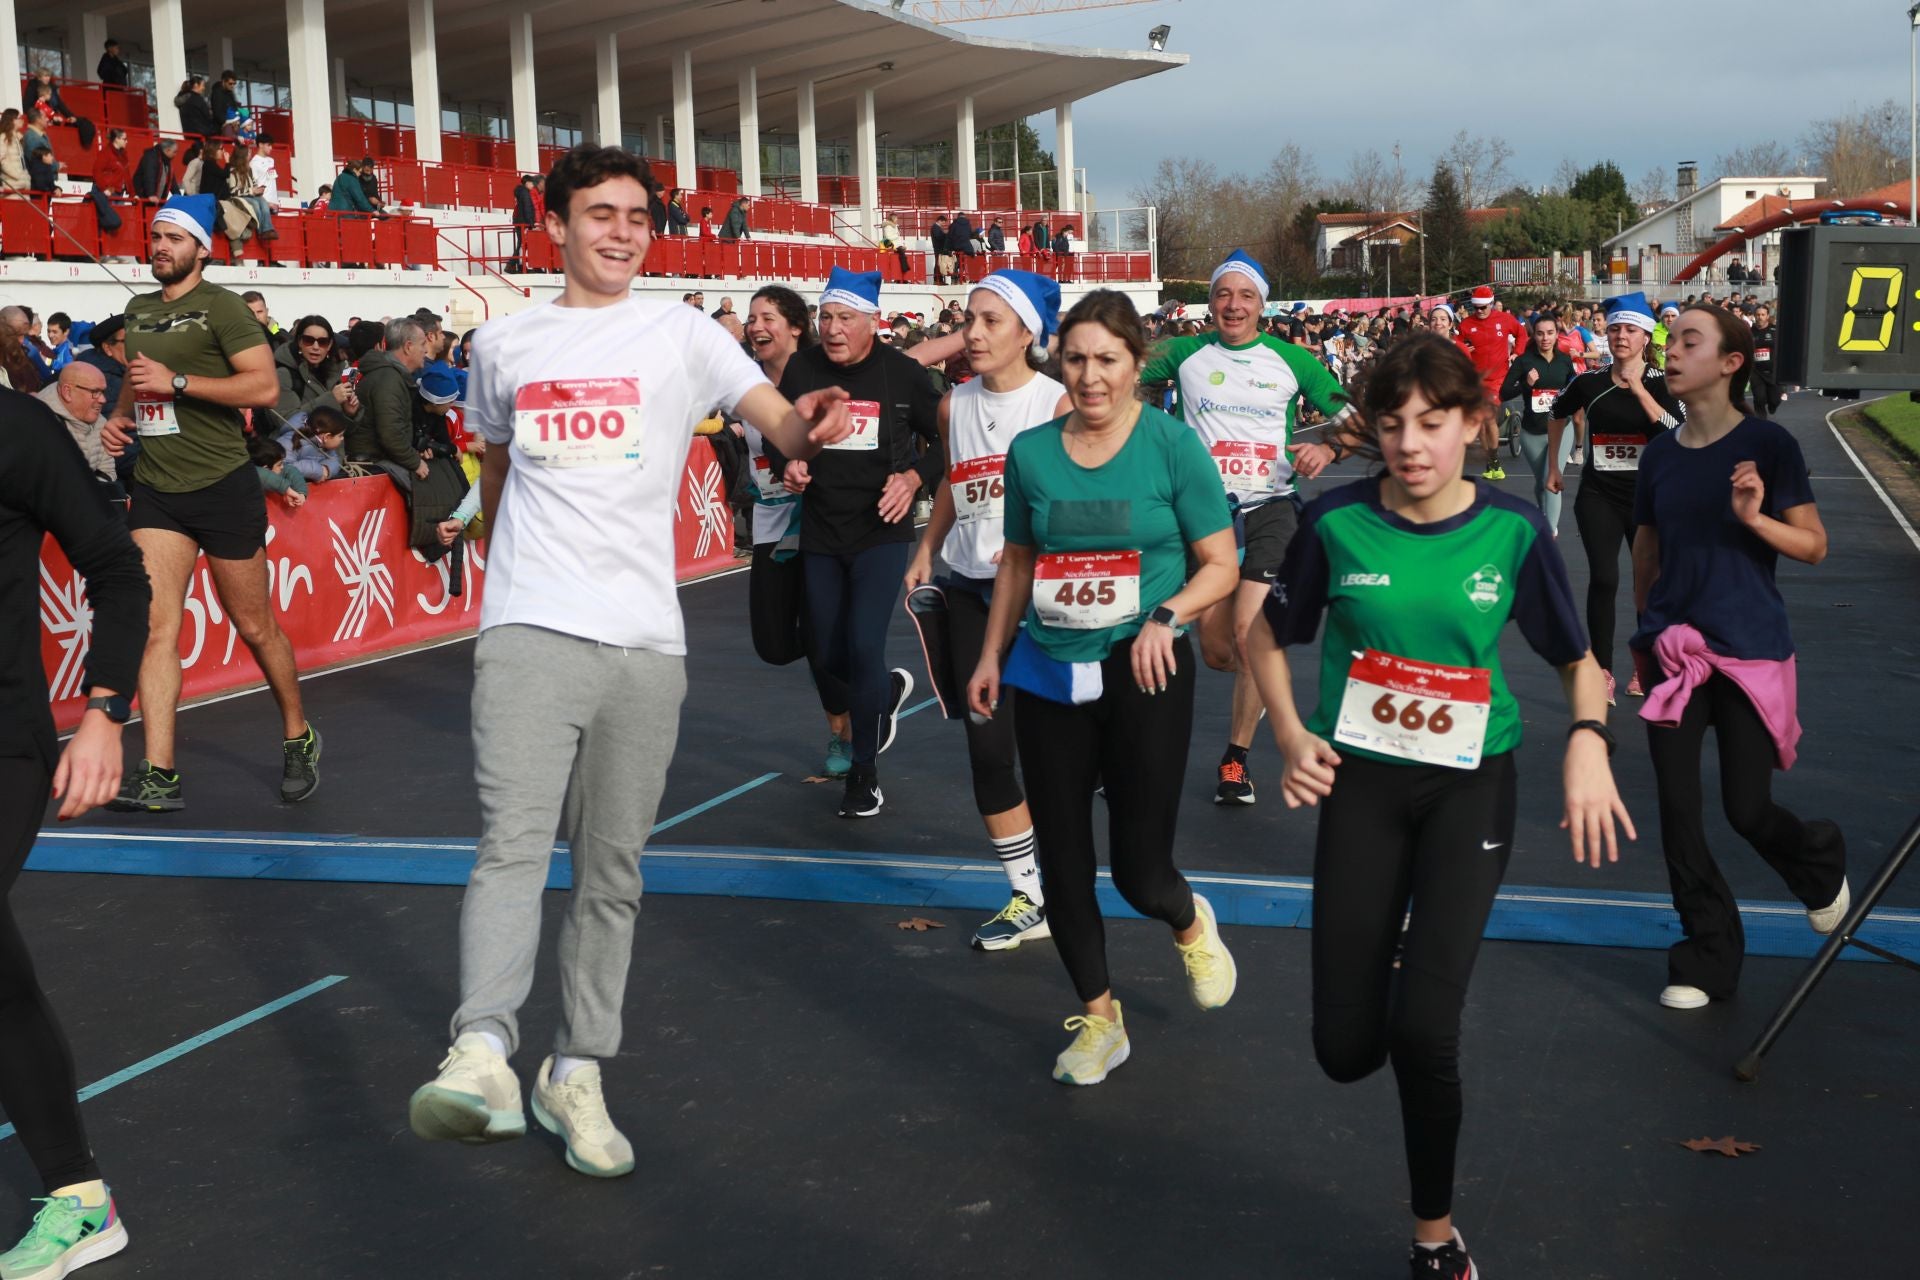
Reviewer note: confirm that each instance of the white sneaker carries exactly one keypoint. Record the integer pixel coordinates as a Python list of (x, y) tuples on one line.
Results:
[(475, 1098), (1677, 996), (1100, 1046), (1211, 973), (1826, 919), (576, 1110)]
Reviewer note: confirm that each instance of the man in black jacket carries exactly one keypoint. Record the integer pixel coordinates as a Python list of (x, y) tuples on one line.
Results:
[(224, 98), (525, 218), (153, 176), (112, 70)]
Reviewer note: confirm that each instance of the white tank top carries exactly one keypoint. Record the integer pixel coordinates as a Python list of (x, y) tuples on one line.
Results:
[(980, 426), (775, 511)]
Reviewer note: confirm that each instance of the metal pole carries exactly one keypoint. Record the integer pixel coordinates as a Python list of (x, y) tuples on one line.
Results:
[(1913, 115)]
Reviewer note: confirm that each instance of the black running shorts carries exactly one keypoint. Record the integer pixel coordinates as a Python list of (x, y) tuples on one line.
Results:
[(227, 519)]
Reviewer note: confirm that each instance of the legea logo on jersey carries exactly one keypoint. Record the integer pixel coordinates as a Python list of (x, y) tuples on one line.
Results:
[(1366, 580), (1483, 588), (1217, 378)]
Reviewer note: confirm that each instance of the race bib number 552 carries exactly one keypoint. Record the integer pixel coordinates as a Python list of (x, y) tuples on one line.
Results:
[(579, 422), (1617, 453), (1087, 590), (1418, 711)]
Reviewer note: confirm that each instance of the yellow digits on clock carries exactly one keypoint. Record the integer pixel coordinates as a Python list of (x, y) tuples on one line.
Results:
[(1894, 276)]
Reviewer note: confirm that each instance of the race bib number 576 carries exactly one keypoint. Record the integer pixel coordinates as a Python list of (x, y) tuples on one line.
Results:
[(579, 422)]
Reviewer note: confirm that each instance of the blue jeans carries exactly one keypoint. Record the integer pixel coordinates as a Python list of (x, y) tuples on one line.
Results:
[(1534, 448)]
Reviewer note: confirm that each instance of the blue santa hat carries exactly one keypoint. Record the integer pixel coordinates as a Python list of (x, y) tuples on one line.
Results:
[(195, 213), (1239, 261), (1630, 308), (857, 289), (1034, 298), (438, 386)]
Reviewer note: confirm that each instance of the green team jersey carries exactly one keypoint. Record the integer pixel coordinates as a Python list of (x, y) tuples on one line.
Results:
[(1109, 542), (1425, 596), (1243, 402), (195, 334)]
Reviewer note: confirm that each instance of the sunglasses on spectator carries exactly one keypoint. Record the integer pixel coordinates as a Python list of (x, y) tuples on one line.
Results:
[(315, 340)]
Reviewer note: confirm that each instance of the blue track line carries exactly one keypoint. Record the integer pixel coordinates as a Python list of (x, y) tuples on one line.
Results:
[(714, 803), (165, 1056)]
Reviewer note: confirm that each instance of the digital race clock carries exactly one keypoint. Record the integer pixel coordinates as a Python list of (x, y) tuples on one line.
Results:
[(1849, 311)]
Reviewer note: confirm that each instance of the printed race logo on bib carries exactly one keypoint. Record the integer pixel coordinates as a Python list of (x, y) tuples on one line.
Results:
[(154, 416), (1418, 711), (979, 488), (1087, 590), (865, 436), (579, 422), (1617, 453), (1543, 401), (769, 489), (1246, 467)]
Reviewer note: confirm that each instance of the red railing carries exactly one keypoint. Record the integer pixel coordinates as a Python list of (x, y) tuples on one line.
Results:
[(107, 105), (305, 239), (933, 194)]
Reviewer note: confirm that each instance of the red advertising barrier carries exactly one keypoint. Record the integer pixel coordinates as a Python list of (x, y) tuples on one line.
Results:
[(344, 585)]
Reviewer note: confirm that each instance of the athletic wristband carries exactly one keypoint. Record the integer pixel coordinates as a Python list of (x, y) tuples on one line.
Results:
[(1606, 735)]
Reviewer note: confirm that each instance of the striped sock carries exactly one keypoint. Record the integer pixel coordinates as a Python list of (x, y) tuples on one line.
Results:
[(1016, 859)]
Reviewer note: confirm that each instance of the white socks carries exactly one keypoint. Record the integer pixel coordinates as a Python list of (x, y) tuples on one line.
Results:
[(563, 1066), (1016, 859), (494, 1042)]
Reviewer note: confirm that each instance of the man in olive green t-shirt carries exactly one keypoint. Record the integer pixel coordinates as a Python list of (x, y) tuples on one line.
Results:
[(196, 359)]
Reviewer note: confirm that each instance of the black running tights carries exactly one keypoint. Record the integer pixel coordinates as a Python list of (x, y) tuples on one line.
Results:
[(36, 1067), (1605, 524), (990, 748), (850, 600), (1137, 744), (1391, 837)]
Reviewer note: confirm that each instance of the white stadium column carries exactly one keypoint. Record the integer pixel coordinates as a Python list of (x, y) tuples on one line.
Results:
[(809, 146), (606, 74), (1063, 153), (866, 153), (10, 49), (526, 114), (169, 58), (686, 150), (426, 81), (86, 41), (657, 139), (226, 60), (966, 168), (750, 134), (307, 79), (340, 87)]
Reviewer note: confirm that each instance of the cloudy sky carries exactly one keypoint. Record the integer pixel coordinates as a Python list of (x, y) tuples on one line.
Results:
[(1643, 84)]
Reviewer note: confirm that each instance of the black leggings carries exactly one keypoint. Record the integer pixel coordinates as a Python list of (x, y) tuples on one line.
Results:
[(850, 600), (1605, 523), (1393, 836), (990, 746), (1810, 856), (1137, 744), (36, 1067), (782, 631)]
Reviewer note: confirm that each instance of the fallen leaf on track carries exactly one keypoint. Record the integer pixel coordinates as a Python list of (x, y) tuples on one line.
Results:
[(1727, 1146), (918, 925), (815, 778)]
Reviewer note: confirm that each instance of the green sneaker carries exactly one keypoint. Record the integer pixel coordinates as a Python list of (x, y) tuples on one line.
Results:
[(149, 790), (300, 772), (839, 756), (64, 1237)]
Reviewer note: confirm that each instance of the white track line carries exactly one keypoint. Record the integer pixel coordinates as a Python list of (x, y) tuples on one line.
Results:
[(1866, 475)]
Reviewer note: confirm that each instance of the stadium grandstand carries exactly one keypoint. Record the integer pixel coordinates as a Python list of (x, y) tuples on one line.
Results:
[(838, 120)]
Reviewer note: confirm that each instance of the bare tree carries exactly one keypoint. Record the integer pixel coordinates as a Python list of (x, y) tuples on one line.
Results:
[(1654, 187), (1480, 164), (1860, 151), (1374, 183), (1184, 193), (1564, 176), (1767, 158)]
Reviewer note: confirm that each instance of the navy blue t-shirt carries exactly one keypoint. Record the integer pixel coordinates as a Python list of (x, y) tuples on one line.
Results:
[(1715, 572)]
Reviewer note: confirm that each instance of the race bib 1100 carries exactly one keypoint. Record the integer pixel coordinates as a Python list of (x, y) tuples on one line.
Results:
[(579, 422)]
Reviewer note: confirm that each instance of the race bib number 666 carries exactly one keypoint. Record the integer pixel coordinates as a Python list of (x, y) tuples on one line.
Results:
[(579, 422), (1418, 711)]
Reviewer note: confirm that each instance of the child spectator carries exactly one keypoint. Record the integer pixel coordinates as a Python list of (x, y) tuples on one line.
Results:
[(312, 443), (270, 461)]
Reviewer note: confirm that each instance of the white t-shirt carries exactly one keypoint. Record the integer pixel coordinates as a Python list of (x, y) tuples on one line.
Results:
[(266, 176), (598, 406)]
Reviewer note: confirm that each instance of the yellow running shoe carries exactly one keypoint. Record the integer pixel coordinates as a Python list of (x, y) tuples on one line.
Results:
[(1100, 1046), (1211, 973)]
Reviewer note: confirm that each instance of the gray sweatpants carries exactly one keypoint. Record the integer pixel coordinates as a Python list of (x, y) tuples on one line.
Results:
[(559, 718)]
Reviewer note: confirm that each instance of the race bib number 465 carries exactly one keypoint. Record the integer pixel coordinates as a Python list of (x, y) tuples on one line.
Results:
[(979, 488), (1418, 711), (154, 417), (1617, 453), (579, 422), (1246, 467), (1087, 590)]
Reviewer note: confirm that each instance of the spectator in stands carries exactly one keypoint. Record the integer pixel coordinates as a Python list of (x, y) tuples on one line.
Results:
[(19, 368), (196, 116), (13, 154), (108, 353), (348, 195), (383, 431), (525, 219), (240, 126), (942, 240), (364, 336), (370, 183), (193, 167), (111, 69), (1042, 240), (309, 369), (60, 340), (324, 201), (996, 237), (707, 235), (78, 396), (697, 300), (962, 238), (466, 350), (49, 110), (313, 441), (1063, 240), (1026, 246), (257, 303), (110, 179), (266, 174), (244, 187), (735, 226), (224, 97), (677, 218), (153, 177), (43, 171)]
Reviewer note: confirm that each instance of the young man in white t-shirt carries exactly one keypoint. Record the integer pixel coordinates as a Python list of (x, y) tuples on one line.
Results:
[(588, 404)]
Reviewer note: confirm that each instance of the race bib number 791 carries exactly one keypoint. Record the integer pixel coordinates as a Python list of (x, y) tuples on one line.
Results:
[(579, 422)]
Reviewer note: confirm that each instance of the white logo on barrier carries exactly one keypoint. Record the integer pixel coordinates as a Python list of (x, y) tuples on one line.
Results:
[(368, 581), (205, 615), (706, 494), (472, 562), (65, 613), (286, 575)]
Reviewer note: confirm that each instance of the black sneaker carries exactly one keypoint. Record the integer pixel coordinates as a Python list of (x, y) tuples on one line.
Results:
[(862, 798), (300, 776), (1235, 787), (896, 698), (1448, 1262), (149, 790)]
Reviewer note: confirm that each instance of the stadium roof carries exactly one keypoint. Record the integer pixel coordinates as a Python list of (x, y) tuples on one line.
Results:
[(918, 71)]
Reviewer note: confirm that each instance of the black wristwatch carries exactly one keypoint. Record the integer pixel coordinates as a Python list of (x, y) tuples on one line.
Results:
[(1606, 734), (1164, 616), (118, 707), (179, 384)]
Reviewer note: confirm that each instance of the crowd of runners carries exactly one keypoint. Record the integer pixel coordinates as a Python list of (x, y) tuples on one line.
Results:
[(1086, 549)]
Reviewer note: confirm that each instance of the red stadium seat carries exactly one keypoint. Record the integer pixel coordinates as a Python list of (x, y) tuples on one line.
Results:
[(389, 241), (356, 240), (423, 243)]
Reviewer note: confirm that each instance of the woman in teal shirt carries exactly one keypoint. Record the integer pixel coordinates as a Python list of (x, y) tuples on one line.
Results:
[(1102, 508)]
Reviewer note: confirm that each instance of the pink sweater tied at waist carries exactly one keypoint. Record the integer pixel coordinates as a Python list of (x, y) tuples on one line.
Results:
[(1772, 685)]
